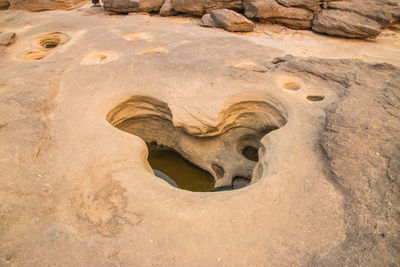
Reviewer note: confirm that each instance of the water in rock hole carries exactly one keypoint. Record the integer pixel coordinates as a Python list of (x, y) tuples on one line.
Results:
[(186, 175)]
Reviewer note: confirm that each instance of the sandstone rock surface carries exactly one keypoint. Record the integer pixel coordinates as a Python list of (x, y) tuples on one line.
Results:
[(345, 24), (312, 5), (76, 190), (208, 21), (232, 21), (4, 4), (126, 6), (270, 10), (42, 5), (383, 11), (167, 9), (7, 38), (200, 7)]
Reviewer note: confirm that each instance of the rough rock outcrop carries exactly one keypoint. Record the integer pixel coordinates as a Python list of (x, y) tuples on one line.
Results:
[(200, 7), (383, 11), (4, 4), (7, 38), (346, 24), (312, 5), (328, 193), (167, 9), (126, 6), (42, 5), (207, 21), (269, 10), (232, 21)]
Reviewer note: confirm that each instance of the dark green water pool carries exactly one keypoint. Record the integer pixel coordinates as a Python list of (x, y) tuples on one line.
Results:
[(186, 175)]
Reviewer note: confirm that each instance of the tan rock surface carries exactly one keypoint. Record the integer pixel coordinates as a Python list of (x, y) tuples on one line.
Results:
[(232, 21), (41, 5), (270, 10), (76, 191), (200, 7), (346, 24), (126, 6)]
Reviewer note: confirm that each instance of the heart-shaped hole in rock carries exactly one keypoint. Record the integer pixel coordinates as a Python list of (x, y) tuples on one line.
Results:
[(207, 159)]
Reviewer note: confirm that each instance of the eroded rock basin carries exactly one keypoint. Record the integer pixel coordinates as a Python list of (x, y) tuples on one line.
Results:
[(226, 151), (76, 187)]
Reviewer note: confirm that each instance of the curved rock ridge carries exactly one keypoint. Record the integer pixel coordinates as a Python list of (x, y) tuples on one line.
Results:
[(218, 148)]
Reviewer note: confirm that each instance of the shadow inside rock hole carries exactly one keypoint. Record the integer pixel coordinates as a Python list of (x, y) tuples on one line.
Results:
[(207, 158)]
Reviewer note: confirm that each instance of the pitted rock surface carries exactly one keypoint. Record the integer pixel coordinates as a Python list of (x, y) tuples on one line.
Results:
[(77, 191)]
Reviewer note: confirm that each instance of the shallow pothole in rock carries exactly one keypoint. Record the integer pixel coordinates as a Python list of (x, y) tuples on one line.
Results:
[(315, 98), (45, 44), (155, 50), (214, 158), (99, 57), (293, 86), (52, 40)]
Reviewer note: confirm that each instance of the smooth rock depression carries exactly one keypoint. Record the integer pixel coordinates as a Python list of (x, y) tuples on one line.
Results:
[(305, 126)]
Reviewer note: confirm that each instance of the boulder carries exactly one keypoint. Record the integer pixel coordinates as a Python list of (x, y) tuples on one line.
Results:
[(269, 10), (207, 21), (7, 39), (383, 11), (126, 6), (41, 5), (312, 5), (167, 9), (4, 4), (200, 7), (232, 21), (345, 24)]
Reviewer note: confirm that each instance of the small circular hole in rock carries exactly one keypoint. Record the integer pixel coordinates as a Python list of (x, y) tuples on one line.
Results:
[(315, 98), (250, 153)]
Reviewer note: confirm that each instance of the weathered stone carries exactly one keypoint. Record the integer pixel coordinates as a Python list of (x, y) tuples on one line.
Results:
[(42, 5), (75, 191), (346, 24), (232, 21), (269, 10), (200, 7), (7, 38), (208, 21), (312, 5), (126, 6), (4, 4), (167, 9), (383, 11)]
